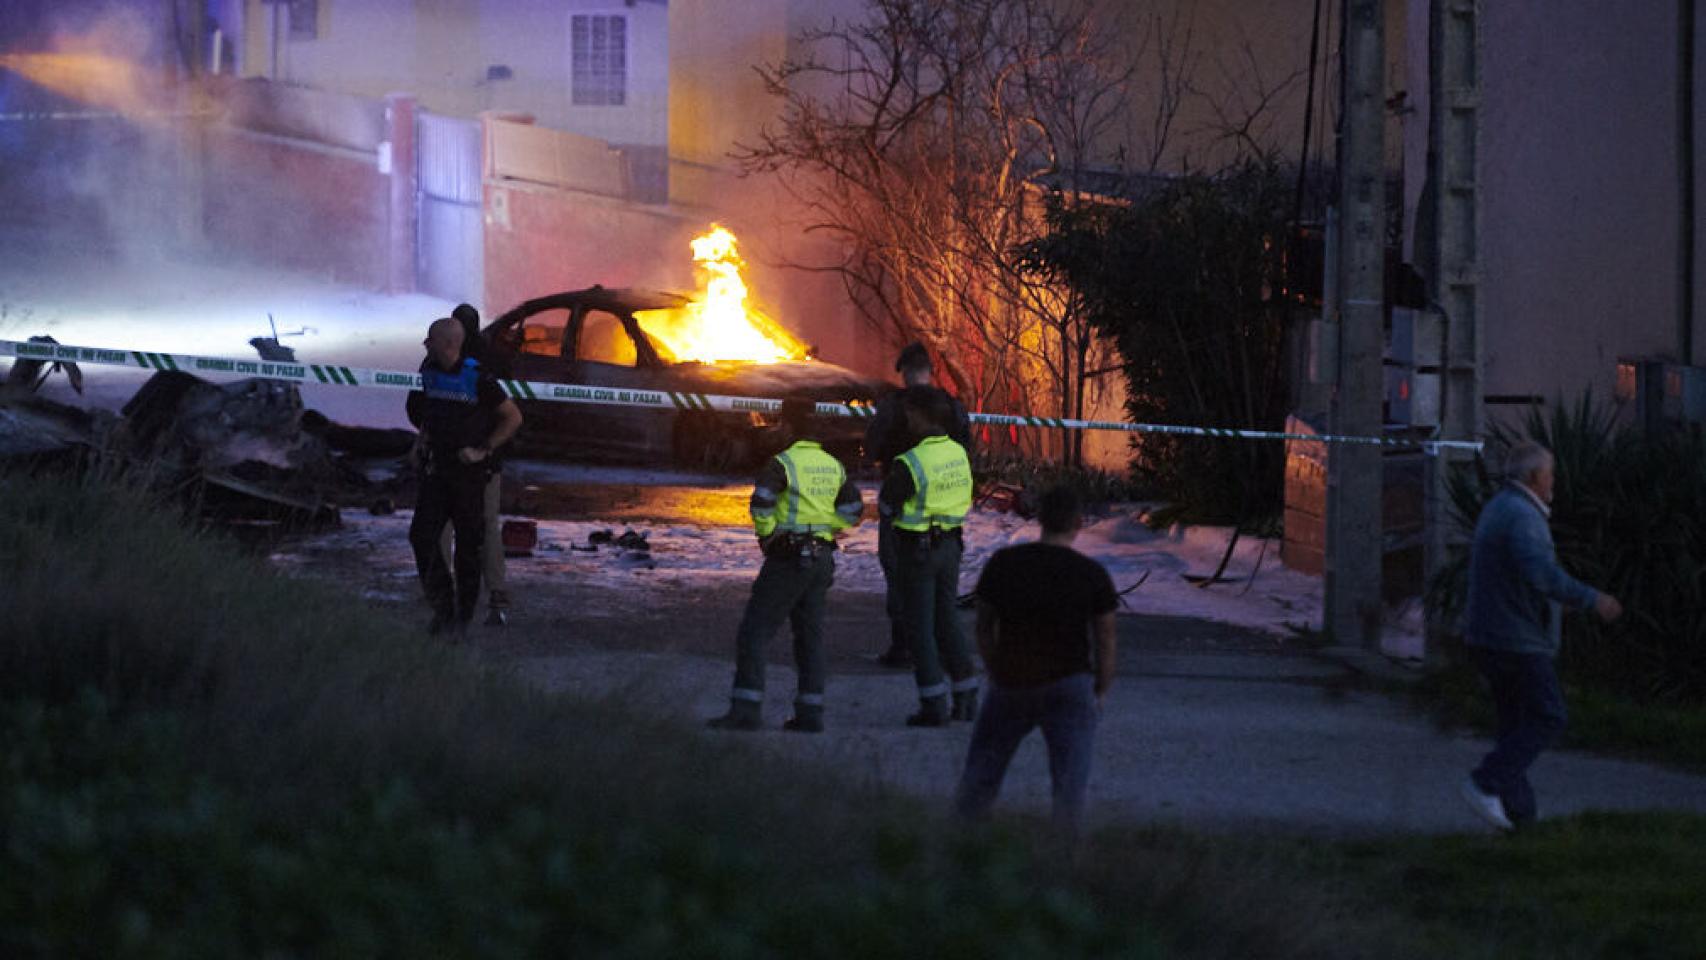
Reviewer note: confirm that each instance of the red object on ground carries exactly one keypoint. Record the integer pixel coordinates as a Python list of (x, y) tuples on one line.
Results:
[(520, 537)]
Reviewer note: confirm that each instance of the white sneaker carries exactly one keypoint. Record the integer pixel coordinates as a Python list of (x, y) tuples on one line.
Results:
[(1486, 806)]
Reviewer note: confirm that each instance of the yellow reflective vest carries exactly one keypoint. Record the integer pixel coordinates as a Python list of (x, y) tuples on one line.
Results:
[(942, 486), (808, 503)]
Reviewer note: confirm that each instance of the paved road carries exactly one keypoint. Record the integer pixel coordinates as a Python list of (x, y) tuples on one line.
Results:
[(1208, 725)]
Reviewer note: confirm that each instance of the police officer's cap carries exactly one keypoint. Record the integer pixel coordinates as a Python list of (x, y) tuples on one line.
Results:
[(912, 357)]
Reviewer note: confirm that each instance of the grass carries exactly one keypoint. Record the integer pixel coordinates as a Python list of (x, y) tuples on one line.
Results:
[(1599, 721), (198, 758), (1595, 885), (1590, 886)]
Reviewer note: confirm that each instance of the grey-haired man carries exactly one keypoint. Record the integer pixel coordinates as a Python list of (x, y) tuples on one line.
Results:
[(1516, 594)]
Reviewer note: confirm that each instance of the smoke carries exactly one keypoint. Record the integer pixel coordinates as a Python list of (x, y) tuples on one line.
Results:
[(91, 152)]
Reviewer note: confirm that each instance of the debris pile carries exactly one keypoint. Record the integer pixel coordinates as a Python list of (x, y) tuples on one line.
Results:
[(245, 453)]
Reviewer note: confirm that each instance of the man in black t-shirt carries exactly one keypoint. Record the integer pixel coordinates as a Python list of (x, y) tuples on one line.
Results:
[(1045, 628), (463, 416)]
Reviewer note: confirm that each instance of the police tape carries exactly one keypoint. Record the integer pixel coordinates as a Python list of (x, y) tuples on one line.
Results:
[(315, 374), (31, 116)]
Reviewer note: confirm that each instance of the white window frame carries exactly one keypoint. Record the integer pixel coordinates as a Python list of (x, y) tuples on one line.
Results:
[(598, 58)]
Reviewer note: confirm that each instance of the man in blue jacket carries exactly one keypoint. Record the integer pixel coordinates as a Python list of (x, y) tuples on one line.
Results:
[(1516, 594)]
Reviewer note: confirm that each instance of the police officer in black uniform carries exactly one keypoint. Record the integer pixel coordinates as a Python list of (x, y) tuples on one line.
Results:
[(463, 416), (887, 437), (493, 572)]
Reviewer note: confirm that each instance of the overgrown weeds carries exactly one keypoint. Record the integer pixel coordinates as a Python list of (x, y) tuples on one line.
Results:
[(200, 758)]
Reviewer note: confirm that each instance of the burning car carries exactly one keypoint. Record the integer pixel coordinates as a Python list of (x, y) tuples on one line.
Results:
[(634, 339)]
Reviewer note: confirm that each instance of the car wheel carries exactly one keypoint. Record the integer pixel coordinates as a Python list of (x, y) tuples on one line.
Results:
[(705, 442), (734, 451)]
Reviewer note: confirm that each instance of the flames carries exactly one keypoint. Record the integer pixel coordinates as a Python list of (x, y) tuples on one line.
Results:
[(93, 79), (719, 326), (107, 64)]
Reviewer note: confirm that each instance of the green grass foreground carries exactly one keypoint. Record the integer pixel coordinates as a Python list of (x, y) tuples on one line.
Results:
[(1600, 721), (198, 758)]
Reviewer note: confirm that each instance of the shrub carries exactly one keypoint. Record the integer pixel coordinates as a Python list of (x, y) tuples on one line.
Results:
[(1185, 277)]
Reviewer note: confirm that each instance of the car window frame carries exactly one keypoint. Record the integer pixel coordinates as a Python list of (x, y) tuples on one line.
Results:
[(645, 355), (518, 334)]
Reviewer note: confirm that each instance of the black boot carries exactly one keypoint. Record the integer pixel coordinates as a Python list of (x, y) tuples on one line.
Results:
[(932, 712), (742, 715), (965, 704), (807, 718)]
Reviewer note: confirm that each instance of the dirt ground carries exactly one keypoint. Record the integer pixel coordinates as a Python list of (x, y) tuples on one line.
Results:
[(1209, 725)]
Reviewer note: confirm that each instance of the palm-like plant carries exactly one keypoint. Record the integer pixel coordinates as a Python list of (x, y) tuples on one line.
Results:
[(1628, 515)]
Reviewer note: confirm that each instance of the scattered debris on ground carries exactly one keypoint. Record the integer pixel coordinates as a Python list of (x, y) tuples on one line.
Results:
[(245, 454), (632, 549), (41, 432)]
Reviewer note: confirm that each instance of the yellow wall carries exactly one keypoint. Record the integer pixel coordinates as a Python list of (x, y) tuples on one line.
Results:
[(440, 50), (716, 98)]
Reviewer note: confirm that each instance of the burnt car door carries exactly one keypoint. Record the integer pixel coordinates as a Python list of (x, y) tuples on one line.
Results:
[(533, 350), (606, 350)]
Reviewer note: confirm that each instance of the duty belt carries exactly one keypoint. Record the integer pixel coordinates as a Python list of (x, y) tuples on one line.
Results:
[(804, 547), (934, 535)]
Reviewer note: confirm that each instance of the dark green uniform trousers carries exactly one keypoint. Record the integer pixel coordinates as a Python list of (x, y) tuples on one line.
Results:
[(788, 588), (928, 574)]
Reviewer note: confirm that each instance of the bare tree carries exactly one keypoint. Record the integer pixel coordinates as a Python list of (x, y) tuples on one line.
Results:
[(927, 137)]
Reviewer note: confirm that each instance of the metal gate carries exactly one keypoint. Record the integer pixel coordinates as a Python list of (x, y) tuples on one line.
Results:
[(452, 240)]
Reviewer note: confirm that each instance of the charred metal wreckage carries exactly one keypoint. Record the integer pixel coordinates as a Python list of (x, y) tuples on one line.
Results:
[(244, 453)]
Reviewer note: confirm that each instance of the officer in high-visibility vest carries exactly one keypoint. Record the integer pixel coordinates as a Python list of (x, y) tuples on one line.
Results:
[(927, 493), (802, 497), (886, 438)]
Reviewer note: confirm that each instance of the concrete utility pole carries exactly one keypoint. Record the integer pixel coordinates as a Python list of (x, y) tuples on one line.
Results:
[(1453, 254), (1354, 473), (1685, 207)]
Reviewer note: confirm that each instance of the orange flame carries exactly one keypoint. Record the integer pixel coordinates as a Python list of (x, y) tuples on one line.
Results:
[(92, 78), (719, 325)]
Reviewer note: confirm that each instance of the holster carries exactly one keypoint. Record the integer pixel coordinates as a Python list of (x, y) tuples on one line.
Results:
[(803, 548)]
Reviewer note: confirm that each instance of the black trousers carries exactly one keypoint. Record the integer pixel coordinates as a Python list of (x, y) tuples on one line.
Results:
[(788, 589), (928, 571), (888, 555), (457, 497), (1531, 712)]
